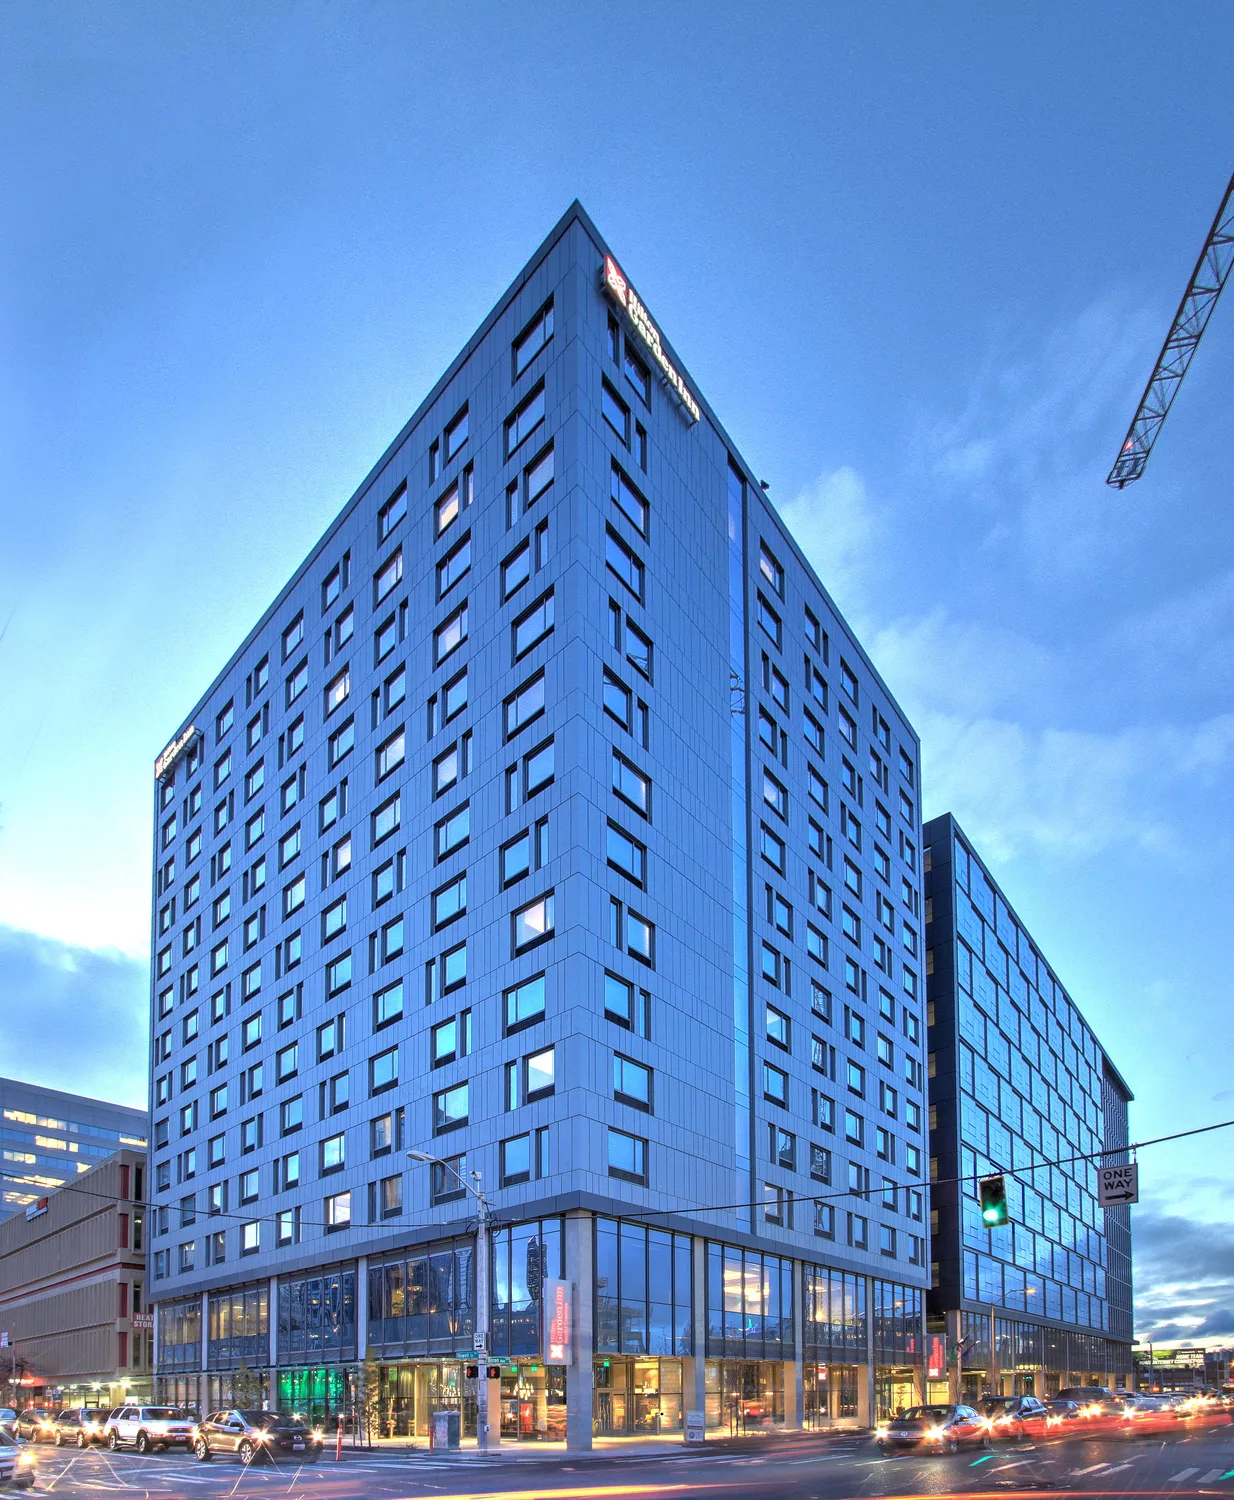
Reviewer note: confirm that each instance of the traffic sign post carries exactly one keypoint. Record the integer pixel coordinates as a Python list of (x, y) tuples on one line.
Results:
[(1117, 1186)]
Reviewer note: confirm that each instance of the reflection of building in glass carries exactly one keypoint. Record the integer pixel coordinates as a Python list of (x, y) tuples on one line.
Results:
[(48, 1138), (1018, 1085), (552, 821)]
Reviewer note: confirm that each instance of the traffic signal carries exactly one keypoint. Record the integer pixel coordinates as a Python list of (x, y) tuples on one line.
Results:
[(993, 1192)]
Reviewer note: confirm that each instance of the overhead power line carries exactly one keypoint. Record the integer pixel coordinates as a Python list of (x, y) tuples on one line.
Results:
[(509, 1215)]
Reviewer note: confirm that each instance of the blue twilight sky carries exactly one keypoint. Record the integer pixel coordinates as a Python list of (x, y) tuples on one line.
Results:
[(919, 258)]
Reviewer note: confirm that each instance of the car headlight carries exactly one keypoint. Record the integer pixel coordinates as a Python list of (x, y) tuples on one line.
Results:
[(880, 1432), (935, 1433)]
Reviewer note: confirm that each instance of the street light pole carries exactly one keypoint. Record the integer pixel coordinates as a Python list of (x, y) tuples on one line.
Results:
[(480, 1337)]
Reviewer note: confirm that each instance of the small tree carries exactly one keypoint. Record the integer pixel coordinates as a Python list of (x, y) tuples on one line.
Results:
[(246, 1388), (368, 1401)]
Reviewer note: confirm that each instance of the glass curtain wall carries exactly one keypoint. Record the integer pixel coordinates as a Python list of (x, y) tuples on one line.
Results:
[(739, 797)]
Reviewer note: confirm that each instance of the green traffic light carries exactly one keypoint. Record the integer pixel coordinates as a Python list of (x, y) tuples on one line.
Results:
[(993, 1194)]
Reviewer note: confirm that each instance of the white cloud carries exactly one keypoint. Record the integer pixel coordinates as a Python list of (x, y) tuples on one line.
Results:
[(838, 530)]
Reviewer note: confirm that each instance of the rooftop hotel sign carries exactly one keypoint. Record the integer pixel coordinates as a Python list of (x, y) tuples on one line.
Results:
[(174, 751), (623, 294)]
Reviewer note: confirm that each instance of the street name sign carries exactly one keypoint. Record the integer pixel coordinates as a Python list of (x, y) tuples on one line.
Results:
[(1117, 1186)]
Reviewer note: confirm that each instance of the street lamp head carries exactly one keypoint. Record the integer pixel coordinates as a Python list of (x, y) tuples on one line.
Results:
[(421, 1156)]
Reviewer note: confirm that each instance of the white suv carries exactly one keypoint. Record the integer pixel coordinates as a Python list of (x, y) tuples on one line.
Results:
[(148, 1428)]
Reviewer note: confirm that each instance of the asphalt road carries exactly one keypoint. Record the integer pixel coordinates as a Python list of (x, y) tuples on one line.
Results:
[(800, 1468)]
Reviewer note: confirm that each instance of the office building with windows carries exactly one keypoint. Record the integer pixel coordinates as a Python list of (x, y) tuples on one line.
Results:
[(48, 1138), (1019, 1085), (72, 1291), (552, 822)]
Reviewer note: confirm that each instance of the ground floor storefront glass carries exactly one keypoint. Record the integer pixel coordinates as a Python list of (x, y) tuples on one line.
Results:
[(895, 1389), (407, 1395), (830, 1393), (637, 1397), (745, 1395), (318, 1393)]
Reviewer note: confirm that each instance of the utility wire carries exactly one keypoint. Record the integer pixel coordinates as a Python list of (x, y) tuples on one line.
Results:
[(939, 1181), (644, 1213)]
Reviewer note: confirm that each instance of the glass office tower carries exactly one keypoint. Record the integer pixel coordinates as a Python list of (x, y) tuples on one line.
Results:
[(550, 821), (1018, 1085), (50, 1138)]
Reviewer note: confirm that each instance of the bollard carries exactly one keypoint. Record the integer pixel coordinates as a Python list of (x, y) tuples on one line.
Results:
[(338, 1442)]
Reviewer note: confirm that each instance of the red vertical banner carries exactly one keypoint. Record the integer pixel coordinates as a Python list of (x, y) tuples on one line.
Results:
[(556, 1312), (936, 1356)]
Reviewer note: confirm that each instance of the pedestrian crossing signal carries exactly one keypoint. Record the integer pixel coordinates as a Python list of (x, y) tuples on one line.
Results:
[(993, 1194)]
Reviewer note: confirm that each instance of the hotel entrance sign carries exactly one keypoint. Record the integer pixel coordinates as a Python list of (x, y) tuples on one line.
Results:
[(623, 294), (556, 1322)]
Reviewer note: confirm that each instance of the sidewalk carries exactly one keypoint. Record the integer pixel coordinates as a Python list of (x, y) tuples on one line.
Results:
[(603, 1448)]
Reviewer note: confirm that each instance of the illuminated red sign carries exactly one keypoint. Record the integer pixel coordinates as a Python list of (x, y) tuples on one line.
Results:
[(936, 1356), (624, 295), (556, 1322)]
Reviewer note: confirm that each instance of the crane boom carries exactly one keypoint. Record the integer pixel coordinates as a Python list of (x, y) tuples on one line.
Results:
[(1210, 274)]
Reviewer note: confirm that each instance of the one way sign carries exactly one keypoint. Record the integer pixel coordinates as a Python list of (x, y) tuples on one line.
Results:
[(1117, 1185)]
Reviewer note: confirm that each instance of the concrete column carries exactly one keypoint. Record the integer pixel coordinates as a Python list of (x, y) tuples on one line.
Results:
[(580, 1376), (421, 1382), (796, 1399), (954, 1368), (362, 1308), (694, 1370), (205, 1333), (273, 1329), (865, 1392), (272, 1318)]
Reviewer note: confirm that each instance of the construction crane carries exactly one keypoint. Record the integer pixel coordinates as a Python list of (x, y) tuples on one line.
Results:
[(1210, 275)]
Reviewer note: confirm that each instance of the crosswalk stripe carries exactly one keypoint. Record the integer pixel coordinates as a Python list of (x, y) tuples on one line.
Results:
[(1182, 1474), (1092, 1469), (1212, 1474)]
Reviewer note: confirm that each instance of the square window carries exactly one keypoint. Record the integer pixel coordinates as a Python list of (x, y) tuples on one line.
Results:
[(775, 1085), (533, 338), (388, 1005), (338, 1212), (533, 923), (627, 1156), (632, 1082), (383, 1071), (450, 1109), (524, 705), (524, 1004), (516, 1160), (539, 1074)]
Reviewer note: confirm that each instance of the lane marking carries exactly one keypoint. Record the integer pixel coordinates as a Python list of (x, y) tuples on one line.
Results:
[(1093, 1468)]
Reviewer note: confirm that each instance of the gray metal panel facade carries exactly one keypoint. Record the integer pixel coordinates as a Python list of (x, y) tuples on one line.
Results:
[(694, 1131)]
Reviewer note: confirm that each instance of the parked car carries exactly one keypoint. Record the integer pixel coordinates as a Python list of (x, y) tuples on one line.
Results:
[(148, 1428), (80, 1425), (36, 1424), (16, 1460), (254, 1435), (7, 1415), (1015, 1419), (939, 1429)]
